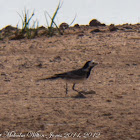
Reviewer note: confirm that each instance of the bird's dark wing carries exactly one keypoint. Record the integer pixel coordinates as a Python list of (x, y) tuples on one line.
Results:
[(76, 74)]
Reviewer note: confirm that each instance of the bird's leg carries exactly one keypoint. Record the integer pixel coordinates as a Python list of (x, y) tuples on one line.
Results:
[(80, 93), (73, 87), (66, 88)]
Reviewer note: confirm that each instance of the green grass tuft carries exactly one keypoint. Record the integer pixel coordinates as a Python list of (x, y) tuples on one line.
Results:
[(50, 27), (27, 29)]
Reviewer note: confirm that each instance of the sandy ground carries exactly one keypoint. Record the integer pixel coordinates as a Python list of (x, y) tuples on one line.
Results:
[(32, 109)]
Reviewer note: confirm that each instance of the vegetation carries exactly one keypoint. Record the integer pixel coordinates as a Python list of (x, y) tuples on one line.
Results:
[(50, 27), (30, 31)]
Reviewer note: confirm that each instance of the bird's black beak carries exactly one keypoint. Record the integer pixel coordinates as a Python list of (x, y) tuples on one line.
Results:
[(95, 63)]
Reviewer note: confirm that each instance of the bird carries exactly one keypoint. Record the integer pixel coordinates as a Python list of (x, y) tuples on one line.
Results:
[(74, 76)]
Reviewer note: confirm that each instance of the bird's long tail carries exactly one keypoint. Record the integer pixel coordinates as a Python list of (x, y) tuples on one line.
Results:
[(49, 78)]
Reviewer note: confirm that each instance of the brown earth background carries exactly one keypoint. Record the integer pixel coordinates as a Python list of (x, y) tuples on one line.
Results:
[(110, 110)]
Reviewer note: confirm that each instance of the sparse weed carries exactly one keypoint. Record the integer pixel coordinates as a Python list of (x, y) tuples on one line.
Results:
[(50, 27), (27, 29), (30, 32)]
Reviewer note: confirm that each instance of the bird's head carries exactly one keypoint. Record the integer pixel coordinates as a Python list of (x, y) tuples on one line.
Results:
[(89, 65)]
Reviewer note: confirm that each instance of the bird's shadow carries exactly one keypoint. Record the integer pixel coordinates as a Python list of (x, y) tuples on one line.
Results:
[(81, 94)]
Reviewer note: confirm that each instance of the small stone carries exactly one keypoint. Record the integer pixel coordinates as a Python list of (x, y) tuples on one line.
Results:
[(95, 30), (63, 26), (112, 28), (76, 26), (94, 22)]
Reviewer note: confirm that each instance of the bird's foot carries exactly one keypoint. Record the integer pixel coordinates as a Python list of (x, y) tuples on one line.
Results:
[(88, 92), (80, 95)]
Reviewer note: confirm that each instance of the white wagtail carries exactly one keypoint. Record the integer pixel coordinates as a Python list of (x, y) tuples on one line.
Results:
[(75, 76)]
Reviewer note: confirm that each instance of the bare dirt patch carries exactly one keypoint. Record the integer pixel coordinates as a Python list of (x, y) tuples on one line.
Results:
[(111, 110)]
